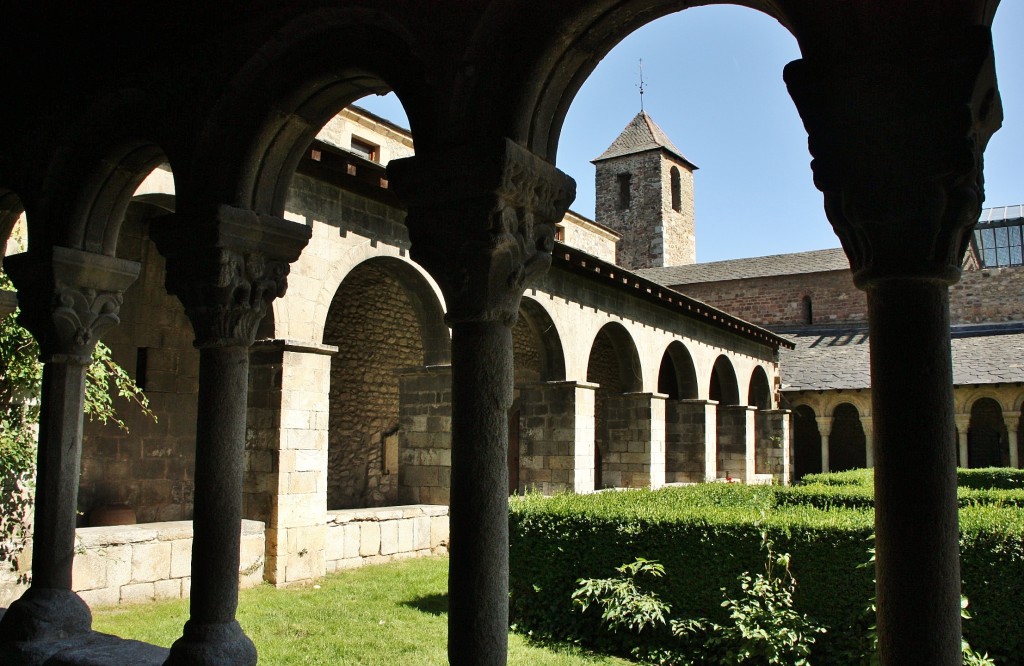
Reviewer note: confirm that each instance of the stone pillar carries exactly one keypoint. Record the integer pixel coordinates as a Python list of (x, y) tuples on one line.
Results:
[(8, 302), (225, 269), (481, 221), (285, 478), (557, 437), (824, 429), (867, 423), (898, 120), (773, 445), (736, 442), (1012, 420), (425, 435), (636, 441), (690, 432), (963, 427), (69, 298)]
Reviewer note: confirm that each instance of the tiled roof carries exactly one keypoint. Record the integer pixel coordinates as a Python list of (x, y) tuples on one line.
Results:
[(642, 134), (839, 359), (816, 261)]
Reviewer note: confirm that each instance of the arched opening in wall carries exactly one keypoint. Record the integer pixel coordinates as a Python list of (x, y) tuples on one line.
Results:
[(13, 226), (759, 392), (677, 189), (614, 366), (382, 319), (686, 425), (847, 444), (736, 430), (769, 433), (538, 358), (806, 443), (150, 468), (986, 435), (806, 311)]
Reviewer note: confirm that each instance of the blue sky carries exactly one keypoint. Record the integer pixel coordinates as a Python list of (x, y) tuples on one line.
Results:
[(713, 82)]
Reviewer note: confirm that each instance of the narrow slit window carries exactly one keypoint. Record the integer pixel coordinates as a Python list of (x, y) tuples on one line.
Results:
[(624, 190)]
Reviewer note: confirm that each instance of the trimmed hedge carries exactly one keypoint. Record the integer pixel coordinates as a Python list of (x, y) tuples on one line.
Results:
[(706, 535)]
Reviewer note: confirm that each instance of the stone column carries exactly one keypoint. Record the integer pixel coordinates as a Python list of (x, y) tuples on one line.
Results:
[(225, 268), (898, 120), (636, 441), (285, 482), (736, 439), (963, 427), (1012, 420), (8, 302), (867, 423), (824, 429), (557, 437), (69, 298), (481, 219)]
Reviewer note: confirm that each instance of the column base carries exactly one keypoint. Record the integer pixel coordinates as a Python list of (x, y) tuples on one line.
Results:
[(45, 614), (216, 644)]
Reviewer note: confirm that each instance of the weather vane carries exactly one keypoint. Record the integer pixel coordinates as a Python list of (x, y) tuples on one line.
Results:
[(641, 86)]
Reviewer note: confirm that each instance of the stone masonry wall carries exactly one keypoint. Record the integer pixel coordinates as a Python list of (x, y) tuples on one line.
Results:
[(150, 467), (425, 440), (635, 455), (686, 436), (603, 370), (139, 563), (371, 536), (732, 442), (374, 326), (556, 437), (981, 296), (525, 352)]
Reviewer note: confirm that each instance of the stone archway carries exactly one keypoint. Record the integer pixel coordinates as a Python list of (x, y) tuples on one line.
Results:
[(374, 321), (986, 435), (847, 441), (689, 422), (615, 366), (806, 443)]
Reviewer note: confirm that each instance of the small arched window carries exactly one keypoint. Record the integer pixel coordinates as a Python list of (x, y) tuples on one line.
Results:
[(677, 194), (807, 311)]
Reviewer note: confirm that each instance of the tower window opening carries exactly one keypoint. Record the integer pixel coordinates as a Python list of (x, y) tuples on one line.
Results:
[(677, 195), (624, 190), (807, 311)]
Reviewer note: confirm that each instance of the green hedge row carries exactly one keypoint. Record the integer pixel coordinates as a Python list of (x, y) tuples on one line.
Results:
[(706, 535)]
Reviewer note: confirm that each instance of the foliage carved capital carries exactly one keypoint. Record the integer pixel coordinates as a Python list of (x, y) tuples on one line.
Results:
[(69, 298), (897, 137), (228, 269), (482, 220)]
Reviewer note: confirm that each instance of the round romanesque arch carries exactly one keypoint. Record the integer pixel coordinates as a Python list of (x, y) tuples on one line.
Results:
[(759, 391), (846, 442), (806, 443), (614, 365), (986, 435), (11, 210), (380, 320), (677, 376), (723, 386), (537, 346)]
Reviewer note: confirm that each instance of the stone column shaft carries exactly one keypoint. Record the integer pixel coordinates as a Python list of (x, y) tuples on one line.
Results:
[(916, 529), (1012, 420), (867, 423), (963, 427), (824, 429)]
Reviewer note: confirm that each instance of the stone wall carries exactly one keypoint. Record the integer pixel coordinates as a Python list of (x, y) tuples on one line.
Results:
[(556, 437), (690, 432), (150, 467), (425, 440), (735, 439), (989, 295), (371, 536), (138, 563), (374, 326), (771, 452), (635, 454)]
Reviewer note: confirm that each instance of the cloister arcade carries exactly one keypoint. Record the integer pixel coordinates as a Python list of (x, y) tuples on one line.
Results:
[(899, 100)]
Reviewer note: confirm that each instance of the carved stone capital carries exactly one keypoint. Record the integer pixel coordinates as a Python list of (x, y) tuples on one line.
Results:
[(227, 269), (69, 298), (897, 136), (481, 220)]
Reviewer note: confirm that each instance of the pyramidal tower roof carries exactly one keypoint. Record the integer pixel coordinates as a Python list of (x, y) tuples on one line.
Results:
[(642, 134)]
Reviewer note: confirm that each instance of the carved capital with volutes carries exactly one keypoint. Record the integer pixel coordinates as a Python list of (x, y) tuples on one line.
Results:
[(897, 133), (227, 268), (481, 220), (69, 298)]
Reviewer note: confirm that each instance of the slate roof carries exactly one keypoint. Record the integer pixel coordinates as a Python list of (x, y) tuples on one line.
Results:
[(642, 134), (839, 358), (815, 261)]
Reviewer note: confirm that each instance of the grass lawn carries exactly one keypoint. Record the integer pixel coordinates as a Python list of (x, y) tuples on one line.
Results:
[(386, 615)]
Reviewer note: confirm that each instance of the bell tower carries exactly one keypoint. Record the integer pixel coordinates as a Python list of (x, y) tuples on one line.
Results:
[(644, 189)]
